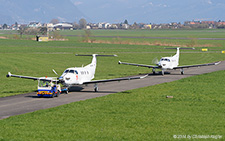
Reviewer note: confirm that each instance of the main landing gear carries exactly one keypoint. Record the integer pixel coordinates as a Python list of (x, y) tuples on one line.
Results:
[(96, 87), (182, 71), (153, 70)]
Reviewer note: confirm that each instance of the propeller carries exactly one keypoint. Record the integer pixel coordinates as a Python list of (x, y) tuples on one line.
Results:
[(59, 78), (155, 61), (55, 72)]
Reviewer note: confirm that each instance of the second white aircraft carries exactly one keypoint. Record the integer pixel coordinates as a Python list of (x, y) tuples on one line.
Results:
[(168, 63)]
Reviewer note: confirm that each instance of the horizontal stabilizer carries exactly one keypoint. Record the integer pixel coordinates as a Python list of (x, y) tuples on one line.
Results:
[(188, 48), (96, 55)]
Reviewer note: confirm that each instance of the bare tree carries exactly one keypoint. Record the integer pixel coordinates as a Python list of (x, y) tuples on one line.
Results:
[(54, 21), (75, 25), (21, 30), (83, 23)]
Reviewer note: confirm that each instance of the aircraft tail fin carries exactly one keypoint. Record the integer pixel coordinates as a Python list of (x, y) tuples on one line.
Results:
[(93, 63), (176, 56), (178, 53)]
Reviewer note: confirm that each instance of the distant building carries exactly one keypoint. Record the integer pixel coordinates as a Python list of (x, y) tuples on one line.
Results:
[(50, 26), (148, 26), (34, 24), (209, 22), (63, 26), (125, 26)]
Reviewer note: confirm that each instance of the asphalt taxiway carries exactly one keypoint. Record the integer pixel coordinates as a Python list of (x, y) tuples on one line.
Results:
[(25, 103)]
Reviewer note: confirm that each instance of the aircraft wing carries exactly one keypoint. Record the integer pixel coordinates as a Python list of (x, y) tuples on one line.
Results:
[(200, 65), (116, 79), (29, 77), (139, 65)]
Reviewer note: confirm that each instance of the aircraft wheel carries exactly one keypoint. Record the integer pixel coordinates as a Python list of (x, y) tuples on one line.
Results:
[(153, 71), (182, 71), (67, 92), (96, 89), (162, 72)]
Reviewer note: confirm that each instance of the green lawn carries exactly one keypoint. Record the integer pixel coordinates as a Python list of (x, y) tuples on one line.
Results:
[(27, 57), (33, 58), (205, 33), (142, 114)]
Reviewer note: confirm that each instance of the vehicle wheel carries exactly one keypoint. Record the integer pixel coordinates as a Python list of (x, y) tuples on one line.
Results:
[(67, 92), (52, 95)]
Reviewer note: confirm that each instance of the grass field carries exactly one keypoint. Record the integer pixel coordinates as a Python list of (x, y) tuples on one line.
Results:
[(27, 57), (142, 114)]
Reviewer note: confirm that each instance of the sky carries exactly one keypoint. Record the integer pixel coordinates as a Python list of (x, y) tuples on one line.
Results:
[(112, 11), (151, 11)]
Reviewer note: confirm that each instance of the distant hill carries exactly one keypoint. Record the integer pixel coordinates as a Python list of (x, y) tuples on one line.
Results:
[(25, 11), (152, 11), (113, 11)]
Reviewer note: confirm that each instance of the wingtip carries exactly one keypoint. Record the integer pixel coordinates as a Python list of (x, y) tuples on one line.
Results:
[(143, 76), (119, 62), (217, 63), (9, 74)]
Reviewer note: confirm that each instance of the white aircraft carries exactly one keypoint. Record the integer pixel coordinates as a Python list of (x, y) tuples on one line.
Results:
[(78, 75), (169, 63)]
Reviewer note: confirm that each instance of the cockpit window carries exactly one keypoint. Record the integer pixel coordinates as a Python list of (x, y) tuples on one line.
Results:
[(165, 59), (71, 71), (66, 71), (76, 72)]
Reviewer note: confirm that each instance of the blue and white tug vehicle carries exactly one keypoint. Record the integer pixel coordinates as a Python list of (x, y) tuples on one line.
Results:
[(48, 88)]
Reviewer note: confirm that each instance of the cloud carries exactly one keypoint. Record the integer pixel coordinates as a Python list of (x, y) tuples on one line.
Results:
[(37, 10), (76, 3), (209, 2)]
